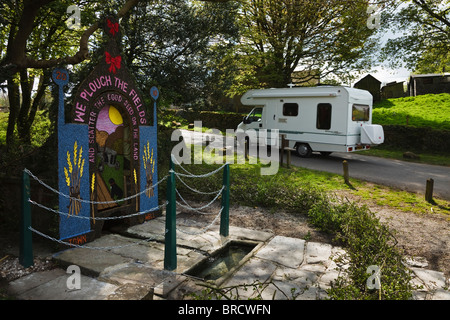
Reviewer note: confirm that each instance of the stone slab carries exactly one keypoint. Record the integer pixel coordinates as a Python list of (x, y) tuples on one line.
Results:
[(247, 234), (91, 262), (142, 251), (281, 290), (161, 282), (33, 280), (301, 278), (186, 258), (254, 270), (441, 294), (317, 252), (56, 289), (153, 229), (131, 291), (432, 279), (283, 250), (134, 273), (169, 284), (248, 278), (328, 278)]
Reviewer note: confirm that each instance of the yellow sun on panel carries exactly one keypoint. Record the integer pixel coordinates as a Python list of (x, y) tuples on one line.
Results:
[(115, 116)]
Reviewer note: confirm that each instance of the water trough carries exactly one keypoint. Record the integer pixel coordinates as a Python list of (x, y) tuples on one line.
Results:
[(223, 262)]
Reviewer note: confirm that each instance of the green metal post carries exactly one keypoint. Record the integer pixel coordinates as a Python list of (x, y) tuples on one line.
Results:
[(225, 215), (26, 237), (170, 251)]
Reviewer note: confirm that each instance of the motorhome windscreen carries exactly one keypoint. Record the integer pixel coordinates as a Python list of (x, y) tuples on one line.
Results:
[(256, 114), (323, 116), (360, 112)]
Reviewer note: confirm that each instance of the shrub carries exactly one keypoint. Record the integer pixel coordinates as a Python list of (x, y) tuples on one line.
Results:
[(211, 119), (368, 243), (408, 138)]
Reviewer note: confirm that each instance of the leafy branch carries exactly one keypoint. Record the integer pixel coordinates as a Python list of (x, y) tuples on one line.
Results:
[(234, 292)]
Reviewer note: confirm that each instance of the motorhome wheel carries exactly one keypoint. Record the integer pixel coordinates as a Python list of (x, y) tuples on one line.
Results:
[(304, 150)]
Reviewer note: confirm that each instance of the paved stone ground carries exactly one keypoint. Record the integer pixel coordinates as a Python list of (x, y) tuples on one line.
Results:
[(292, 268)]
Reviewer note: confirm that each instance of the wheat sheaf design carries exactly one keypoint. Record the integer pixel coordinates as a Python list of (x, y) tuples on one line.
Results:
[(149, 166), (73, 173)]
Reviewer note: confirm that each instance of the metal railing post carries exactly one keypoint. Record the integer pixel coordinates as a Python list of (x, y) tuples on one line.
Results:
[(225, 215), (26, 236), (170, 250)]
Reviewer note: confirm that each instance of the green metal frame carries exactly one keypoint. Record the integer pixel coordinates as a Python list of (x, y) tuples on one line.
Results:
[(26, 236), (225, 215), (170, 251)]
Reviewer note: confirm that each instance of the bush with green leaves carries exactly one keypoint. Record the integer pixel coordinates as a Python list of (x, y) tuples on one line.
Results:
[(367, 242)]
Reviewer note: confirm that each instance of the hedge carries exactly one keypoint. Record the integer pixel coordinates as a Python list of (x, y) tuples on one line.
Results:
[(211, 119), (417, 139)]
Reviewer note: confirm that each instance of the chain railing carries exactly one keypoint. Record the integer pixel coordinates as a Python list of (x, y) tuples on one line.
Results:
[(90, 201), (170, 263), (26, 246)]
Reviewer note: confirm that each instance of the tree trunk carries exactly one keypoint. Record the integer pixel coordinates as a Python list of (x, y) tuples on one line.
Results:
[(14, 105), (25, 106), (28, 112)]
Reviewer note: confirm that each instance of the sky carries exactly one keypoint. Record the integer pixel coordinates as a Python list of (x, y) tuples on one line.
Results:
[(389, 75), (384, 73)]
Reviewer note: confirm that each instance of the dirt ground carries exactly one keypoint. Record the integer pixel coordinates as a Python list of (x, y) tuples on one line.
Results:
[(425, 236)]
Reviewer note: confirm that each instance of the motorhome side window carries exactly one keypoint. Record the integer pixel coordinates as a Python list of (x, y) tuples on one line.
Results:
[(360, 112), (255, 115), (324, 116), (290, 109)]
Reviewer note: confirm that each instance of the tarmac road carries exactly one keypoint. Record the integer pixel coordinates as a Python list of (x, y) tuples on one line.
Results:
[(404, 175), (393, 173)]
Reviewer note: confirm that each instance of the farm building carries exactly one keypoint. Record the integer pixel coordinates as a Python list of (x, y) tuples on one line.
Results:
[(371, 84), (393, 90), (420, 84)]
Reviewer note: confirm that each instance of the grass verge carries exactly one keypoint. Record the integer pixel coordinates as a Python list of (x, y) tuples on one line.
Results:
[(425, 158)]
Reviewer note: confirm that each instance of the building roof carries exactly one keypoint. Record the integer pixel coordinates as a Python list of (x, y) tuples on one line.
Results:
[(430, 75), (368, 76)]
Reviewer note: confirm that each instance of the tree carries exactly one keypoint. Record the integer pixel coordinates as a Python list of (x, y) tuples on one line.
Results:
[(34, 39), (50, 38), (314, 37), (175, 50), (425, 43), (23, 24)]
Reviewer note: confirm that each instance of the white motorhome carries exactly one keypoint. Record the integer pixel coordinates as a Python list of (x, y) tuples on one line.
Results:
[(314, 119)]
